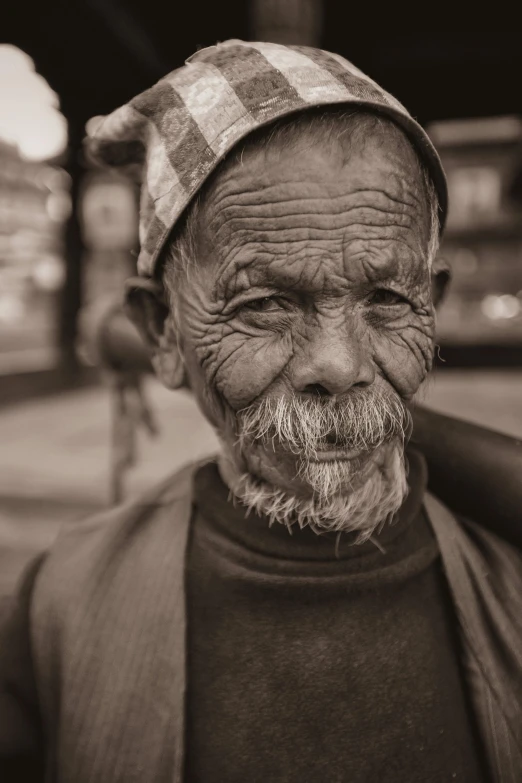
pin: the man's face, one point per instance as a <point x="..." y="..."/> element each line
<point x="311" y="283"/>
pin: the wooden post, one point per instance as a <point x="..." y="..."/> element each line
<point x="287" y="21"/>
<point x="71" y="295"/>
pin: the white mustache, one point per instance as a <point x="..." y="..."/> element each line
<point x="360" y="421"/>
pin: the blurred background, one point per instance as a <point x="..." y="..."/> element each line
<point x="80" y="429"/>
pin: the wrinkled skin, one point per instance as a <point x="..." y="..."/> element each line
<point x="311" y="276"/>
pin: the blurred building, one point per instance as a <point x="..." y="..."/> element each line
<point x="34" y="206"/>
<point x="483" y="241"/>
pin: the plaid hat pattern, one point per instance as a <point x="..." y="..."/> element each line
<point x="175" y="134"/>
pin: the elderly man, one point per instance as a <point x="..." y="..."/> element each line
<point x="298" y="609"/>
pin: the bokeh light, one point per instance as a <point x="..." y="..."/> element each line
<point x="30" y="116"/>
<point x="498" y="307"/>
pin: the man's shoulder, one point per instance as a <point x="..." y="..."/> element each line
<point x="131" y="514"/>
<point x="109" y="592"/>
<point x="126" y="538"/>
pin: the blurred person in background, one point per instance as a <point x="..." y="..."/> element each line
<point x="299" y="608"/>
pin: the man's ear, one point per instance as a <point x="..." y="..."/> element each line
<point x="147" y="307"/>
<point x="440" y="278"/>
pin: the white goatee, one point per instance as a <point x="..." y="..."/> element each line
<point x="345" y="495"/>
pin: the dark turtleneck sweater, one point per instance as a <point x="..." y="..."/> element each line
<point x="312" y="659"/>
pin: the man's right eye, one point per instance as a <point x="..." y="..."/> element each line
<point x="264" y="304"/>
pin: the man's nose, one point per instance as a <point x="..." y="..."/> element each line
<point x="333" y="362"/>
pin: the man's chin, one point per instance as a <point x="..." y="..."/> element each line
<point x="330" y="495"/>
<point x="327" y="472"/>
<point x="337" y="473"/>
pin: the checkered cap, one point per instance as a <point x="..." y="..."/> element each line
<point x="175" y="134"/>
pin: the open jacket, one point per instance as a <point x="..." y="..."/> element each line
<point x="108" y="622"/>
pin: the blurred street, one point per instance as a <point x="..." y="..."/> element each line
<point x="55" y="460"/>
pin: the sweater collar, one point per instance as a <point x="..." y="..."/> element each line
<point x="215" y="501"/>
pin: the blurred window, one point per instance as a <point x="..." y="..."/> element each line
<point x="474" y="193"/>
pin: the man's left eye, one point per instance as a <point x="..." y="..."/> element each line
<point x="264" y="304"/>
<point x="383" y="296"/>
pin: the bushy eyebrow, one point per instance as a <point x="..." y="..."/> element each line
<point x="246" y="272"/>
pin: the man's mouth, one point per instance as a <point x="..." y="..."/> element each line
<point x="336" y="453"/>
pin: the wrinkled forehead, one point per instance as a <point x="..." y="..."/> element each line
<point x="307" y="182"/>
<point x="345" y="136"/>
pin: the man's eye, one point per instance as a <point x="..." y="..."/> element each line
<point x="265" y="304"/>
<point x="383" y="296"/>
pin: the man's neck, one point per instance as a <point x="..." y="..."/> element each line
<point x="215" y="501"/>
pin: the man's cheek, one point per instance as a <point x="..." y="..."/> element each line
<point x="245" y="366"/>
<point x="404" y="359"/>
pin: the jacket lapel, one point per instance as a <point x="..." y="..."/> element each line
<point x="485" y="577"/>
<point x="109" y="631"/>
<point x="158" y="634"/>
